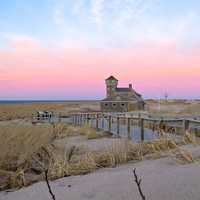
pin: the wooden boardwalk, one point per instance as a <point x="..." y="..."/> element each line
<point x="138" y="127"/>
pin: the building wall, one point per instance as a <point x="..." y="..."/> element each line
<point x="135" y="106"/>
<point x="121" y="106"/>
<point x="114" y="106"/>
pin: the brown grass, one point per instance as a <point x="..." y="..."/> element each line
<point x="91" y="133"/>
<point x="173" y="107"/>
<point x="183" y="156"/>
<point x="27" y="150"/>
<point x="18" y="142"/>
<point x="190" y="138"/>
<point x="21" y="111"/>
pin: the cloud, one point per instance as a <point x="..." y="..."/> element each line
<point x="58" y="16"/>
<point x="21" y="41"/>
<point x="97" y="7"/>
<point x="59" y="8"/>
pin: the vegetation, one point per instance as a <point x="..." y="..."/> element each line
<point x="24" y="111"/>
<point x="27" y="151"/>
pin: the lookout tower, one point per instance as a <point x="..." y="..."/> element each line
<point x="111" y="85"/>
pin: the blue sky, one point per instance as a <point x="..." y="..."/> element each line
<point x="101" y="22"/>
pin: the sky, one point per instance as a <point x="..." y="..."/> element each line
<point x="65" y="49"/>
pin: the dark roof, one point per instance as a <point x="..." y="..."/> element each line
<point x="111" y="78"/>
<point x="124" y="98"/>
<point x="123" y="89"/>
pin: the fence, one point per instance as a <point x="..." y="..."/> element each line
<point x="137" y="127"/>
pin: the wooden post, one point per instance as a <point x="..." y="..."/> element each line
<point x="185" y="125"/>
<point x="78" y="119"/>
<point x="118" y="124"/>
<point x="75" y="119"/>
<point x="59" y="118"/>
<point x="139" y="117"/>
<point x="97" y="121"/>
<point x="142" y="129"/>
<point x="102" y="121"/>
<point x="87" y="119"/>
<point x="109" y="123"/>
<point x="129" y="128"/>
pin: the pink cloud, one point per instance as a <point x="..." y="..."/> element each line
<point x="56" y="72"/>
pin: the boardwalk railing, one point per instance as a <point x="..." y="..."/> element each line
<point x="142" y="127"/>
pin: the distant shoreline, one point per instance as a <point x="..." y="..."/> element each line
<point x="44" y="101"/>
<point x="74" y="101"/>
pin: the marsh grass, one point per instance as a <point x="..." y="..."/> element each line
<point x="29" y="150"/>
<point x="18" y="142"/>
<point x="190" y="138"/>
<point x="22" y="111"/>
<point x="183" y="156"/>
<point x="91" y="133"/>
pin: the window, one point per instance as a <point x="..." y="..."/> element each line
<point x="123" y="104"/>
<point x="106" y="104"/>
<point x="114" y="104"/>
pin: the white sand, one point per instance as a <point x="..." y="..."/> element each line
<point x="162" y="179"/>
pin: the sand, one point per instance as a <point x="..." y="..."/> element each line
<point x="162" y="179"/>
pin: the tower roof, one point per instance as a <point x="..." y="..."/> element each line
<point x="111" y="78"/>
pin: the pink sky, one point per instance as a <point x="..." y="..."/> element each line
<point x="28" y="69"/>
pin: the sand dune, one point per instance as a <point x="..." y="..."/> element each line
<point x="162" y="179"/>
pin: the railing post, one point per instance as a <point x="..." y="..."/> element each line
<point x="109" y="123"/>
<point x="139" y="117"/>
<point x="185" y="125"/>
<point x="75" y="119"/>
<point x="142" y="128"/>
<point x="88" y="119"/>
<point x="102" y="121"/>
<point x="59" y="118"/>
<point x="84" y="119"/>
<point x="97" y="121"/>
<point x="78" y="119"/>
<point x="118" y="124"/>
<point x="129" y="128"/>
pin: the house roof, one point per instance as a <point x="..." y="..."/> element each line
<point x="124" y="98"/>
<point x="123" y="89"/>
<point x="111" y="78"/>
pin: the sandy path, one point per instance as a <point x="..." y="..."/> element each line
<point x="163" y="179"/>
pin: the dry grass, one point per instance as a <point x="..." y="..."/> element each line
<point x="190" y="138"/>
<point x="173" y="107"/>
<point x="83" y="161"/>
<point x="21" y="111"/>
<point x="183" y="156"/>
<point x="62" y="130"/>
<point x="27" y="150"/>
<point x="19" y="142"/>
<point x="91" y="133"/>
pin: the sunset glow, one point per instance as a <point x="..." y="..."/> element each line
<point x="70" y="47"/>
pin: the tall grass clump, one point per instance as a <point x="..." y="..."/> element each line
<point x="21" y="111"/>
<point x="19" y="141"/>
<point x="90" y="133"/>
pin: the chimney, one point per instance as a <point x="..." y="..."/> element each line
<point x="130" y="86"/>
